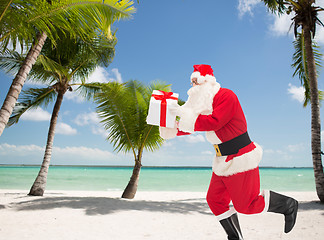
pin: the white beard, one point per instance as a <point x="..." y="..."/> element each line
<point x="201" y="98"/>
<point x="200" y="101"/>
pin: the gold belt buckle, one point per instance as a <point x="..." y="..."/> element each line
<point x="218" y="152"/>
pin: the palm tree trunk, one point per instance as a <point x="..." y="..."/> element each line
<point x="131" y="188"/>
<point x="39" y="185"/>
<point x="19" y="80"/>
<point x="315" y="112"/>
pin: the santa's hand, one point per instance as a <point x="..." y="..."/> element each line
<point x="168" y="133"/>
<point x="174" y="109"/>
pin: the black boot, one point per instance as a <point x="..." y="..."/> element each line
<point x="232" y="227"/>
<point x="286" y="205"/>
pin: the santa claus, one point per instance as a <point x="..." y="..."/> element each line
<point x="217" y="111"/>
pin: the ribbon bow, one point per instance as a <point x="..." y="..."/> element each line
<point x="163" y="98"/>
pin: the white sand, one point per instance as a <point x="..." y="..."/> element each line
<point x="73" y="215"/>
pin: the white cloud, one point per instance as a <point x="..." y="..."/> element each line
<point x="194" y="138"/>
<point x="319" y="37"/>
<point x="36" y="115"/>
<point x="82" y="152"/>
<point x="73" y="96"/>
<point x="98" y="130"/>
<point x="86" y="119"/>
<point x="31" y="154"/>
<point x="101" y="75"/>
<point x="297" y="93"/>
<point x="207" y="153"/>
<point x="117" y="76"/>
<point x="278" y="154"/>
<point x="168" y="143"/>
<point x="22" y="150"/>
<point x="296" y="147"/>
<point x="281" y="24"/>
<point x="65" y="129"/>
<point x="93" y="120"/>
<point x="289" y="155"/>
<point x="246" y="6"/>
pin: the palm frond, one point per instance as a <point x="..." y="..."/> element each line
<point x="157" y="85"/>
<point x="30" y="99"/>
<point x="80" y="18"/>
<point x="276" y="6"/>
<point x="50" y="65"/>
<point x="11" y="61"/>
<point x="123" y="109"/>
<point x="112" y="109"/>
<point x="103" y="48"/>
<point x="321" y="95"/>
<point x="138" y="106"/>
<point x="88" y="90"/>
<point x="300" y="64"/>
<point x="71" y="59"/>
<point x="152" y="139"/>
<point x="4" y="6"/>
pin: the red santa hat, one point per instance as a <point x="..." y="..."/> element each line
<point x="203" y="73"/>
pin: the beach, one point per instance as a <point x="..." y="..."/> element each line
<point x="150" y="215"/>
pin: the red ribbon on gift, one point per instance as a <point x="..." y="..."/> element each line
<point x="163" y="98"/>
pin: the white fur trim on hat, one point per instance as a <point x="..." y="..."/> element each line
<point x="168" y="133"/>
<point x="243" y="163"/>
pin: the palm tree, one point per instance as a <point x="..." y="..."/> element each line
<point x="305" y="16"/>
<point x="60" y="68"/>
<point x="30" y="22"/>
<point x="123" y="110"/>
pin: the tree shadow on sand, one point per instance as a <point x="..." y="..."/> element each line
<point x="106" y="205"/>
<point x="310" y="205"/>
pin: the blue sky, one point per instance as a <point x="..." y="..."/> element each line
<point x="250" y="51"/>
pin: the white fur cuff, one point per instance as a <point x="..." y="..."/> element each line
<point x="187" y="120"/>
<point x="266" y="196"/>
<point x="226" y="214"/>
<point x="168" y="133"/>
<point x="243" y="163"/>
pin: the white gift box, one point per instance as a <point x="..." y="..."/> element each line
<point x="158" y="113"/>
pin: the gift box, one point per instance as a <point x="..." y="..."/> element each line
<point x="159" y="113"/>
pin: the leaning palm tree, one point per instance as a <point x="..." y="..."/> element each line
<point x="30" y="22"/>
<point x="60" y="68"/>
<point x="123" y="110"/>
<point x="305" y="16"/>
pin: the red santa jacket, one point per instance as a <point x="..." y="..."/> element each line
<point x="226" y="122"/>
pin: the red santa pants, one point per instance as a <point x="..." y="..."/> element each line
<point x="243" y="189"/>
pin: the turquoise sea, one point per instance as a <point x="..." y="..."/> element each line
<point x="151" y="178"/>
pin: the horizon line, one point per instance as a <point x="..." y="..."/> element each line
<point x="127" y="166"/>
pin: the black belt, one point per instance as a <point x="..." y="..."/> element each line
<point x="232" y="146"/>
